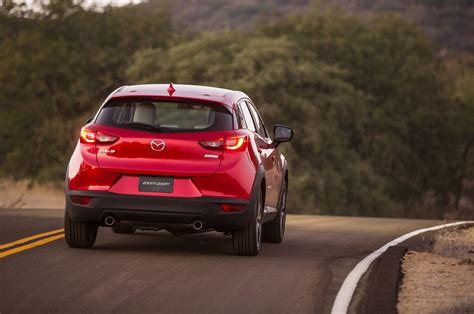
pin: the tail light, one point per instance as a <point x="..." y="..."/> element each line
<point x="234" y="143"/>
<point x="91" y="137"/>
<point x="87" y="136"/>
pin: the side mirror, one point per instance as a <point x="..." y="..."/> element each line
<point x="89" y="120"/>
<point x="282" y="133"/>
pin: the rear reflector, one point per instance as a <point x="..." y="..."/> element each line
<point x="81" y="200"/>
<point x="228" y="208"/>
<point x="91" y="137"/>
<point x="234" y="143"/>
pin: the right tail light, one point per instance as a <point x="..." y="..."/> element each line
<point x="233" y="143"/>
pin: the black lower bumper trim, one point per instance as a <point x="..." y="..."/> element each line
<point x="164" y="210"/>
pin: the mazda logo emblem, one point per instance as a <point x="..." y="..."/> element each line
<point x="158" y="145"/>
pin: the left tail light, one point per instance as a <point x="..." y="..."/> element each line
<point x="92" y="137"/>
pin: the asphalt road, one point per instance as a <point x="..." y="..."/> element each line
<point x="155" y="272"/>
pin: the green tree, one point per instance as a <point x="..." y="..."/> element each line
<point x="55" y="68"/>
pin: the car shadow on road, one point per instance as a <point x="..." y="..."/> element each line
<point x="297" y="245"/>
<point x="206" y="243"/>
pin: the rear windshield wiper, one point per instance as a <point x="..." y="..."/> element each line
<point x="141" y="125"/>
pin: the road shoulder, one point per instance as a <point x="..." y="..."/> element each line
<point x="436" y="275"/>
<point x="440" y="280"/>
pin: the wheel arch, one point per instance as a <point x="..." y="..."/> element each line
<point x="263" y="188"/>
<point x="259" y="183"/>
<point x="285" y="179"/>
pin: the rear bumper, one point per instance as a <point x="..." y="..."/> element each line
<point x="161" y="210"/>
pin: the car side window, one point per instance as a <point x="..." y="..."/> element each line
<point x="258" y="121"/>
<point x="247" y="116"/>
<point x="240" y="118"/>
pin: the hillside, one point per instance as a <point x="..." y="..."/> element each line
<point x="448" y="22"/>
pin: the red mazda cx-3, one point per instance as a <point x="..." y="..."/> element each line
<point x="181" y="158"/>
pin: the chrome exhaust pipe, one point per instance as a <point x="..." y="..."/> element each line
<point x="109" y="221"/>
<point x="198" y="225"/>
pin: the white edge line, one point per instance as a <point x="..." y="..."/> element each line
<point x="344" y="296"/>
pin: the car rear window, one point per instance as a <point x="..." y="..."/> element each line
<point x="165" y="116"/>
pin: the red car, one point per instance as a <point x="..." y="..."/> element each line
<point x="181" y="158"/>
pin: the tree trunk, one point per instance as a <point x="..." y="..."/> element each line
<point x="462" y="173"/>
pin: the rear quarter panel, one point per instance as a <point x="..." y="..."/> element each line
<point x="83" y="172"/>
<point x="236" y="174"/>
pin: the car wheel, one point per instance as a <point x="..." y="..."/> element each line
<point x="274" y="231"/>
<point x="123" y="229"/>
<point x="79" y="234"/>
<point x="247" y="242"/>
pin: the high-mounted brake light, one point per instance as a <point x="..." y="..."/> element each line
<point x="234" y="143"/>
<point x="91" y="137"/>
<point x="171" y="89"/>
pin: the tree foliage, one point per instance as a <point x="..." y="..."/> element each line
<point x="55" y="68"/>
<point x="383" y="124"/>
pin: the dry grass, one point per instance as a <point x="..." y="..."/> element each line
<point x="436" y="284"/>
<point x="441" y="281"/>
<point x="14" y="203"/>
<point x="455" y="243"/>
<point x="14" y="194"/>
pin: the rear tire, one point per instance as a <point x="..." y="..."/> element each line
<point x="123" y="229"/>
<point x="274" y="231"/>
<point x="79" y="234"/>
<point x="247" y="242"/>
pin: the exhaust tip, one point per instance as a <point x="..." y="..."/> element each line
<point x="109" y="221"/>
<point x="198" y="225"/>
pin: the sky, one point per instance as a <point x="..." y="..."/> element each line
<point x="100" y="3"/>
<point x="114" y="2"/>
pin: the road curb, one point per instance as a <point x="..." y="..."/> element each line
<point x="348" y="287"/>
<point x="384" y="281"/>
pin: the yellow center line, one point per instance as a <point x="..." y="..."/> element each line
<point x="20" y="241"/>
<point x="31" y="245"/>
